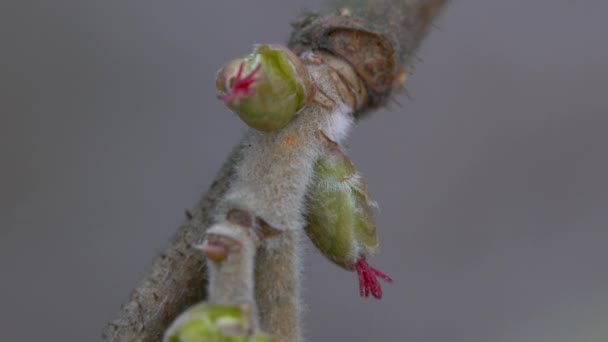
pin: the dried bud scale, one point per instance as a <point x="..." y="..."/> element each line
<point x="378" y="38"/>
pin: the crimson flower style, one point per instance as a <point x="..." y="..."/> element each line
<point x="241" y="87"/>
<point x="368" y="282"/>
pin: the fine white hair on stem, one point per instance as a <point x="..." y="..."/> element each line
<point x="236" y="269"/>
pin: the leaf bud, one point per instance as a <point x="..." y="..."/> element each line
<point x="214" y="323"/>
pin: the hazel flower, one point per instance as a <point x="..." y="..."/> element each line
<point x="266" y="88"/>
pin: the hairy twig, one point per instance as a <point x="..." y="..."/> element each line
<point x="358" y="52"/>
<point x="177" y="278"/>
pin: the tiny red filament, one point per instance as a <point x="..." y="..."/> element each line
<point x="241" y="87"/>
<point x="368" y="282"/>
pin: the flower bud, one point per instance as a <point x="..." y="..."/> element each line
<point x="340" y="218"/>
<point x="213" y="323"/>
<point x="266" y="88"/>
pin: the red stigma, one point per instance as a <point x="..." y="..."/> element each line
<point x="368" y="282"/>
<point x="241" y="87"/>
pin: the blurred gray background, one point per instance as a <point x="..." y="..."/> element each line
<point x="492" y="178"/>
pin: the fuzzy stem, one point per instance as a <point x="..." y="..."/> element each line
<point x="271" y="181"/>
<point x="177" y="278"/>
<point x="278" y="289"/>
<point x="231" y="276"/>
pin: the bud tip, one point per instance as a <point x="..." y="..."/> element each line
<point x="215" y="252"/>
<point x="241" y="87"/>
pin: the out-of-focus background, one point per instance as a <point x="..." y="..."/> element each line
<point x="492" y="177"/>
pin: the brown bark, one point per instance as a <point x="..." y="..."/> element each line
<point x="177" y="279"/>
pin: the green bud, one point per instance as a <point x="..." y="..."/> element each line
<point x="261" y="337"/>
<point x="340" y="220"/>
<point x="213" y="323"/>
<point x="266" y="88"/>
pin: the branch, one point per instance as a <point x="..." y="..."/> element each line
<point x="177" y="278"/>
<point x="378" y="39"/>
